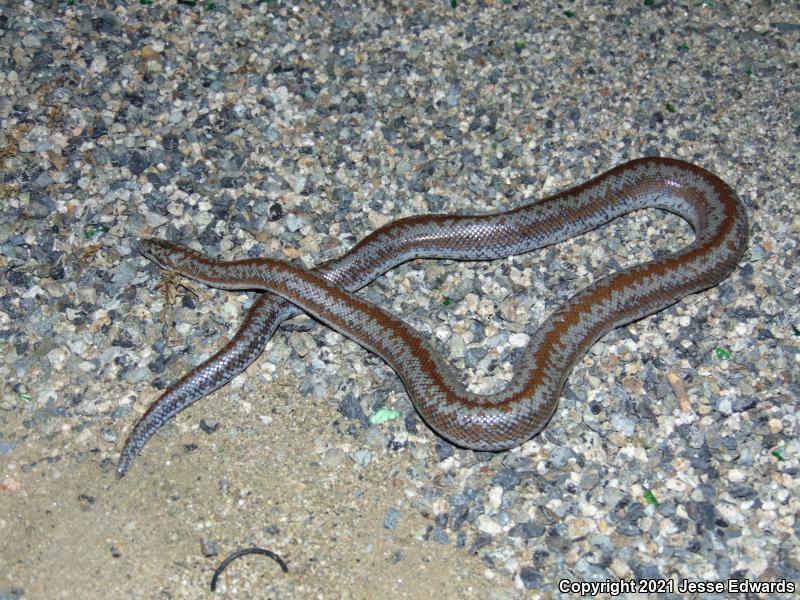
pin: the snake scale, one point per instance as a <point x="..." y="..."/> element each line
<point x="513" y="415"/>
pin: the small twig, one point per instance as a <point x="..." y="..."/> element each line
<point x="172" y="281"/>
<point x="90" y="252"/>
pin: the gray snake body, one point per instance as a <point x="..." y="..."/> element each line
<point x="483" y="422"/>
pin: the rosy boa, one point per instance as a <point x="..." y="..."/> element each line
<point x="482" y="422"/>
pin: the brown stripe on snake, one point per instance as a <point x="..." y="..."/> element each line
<point x="510" y="417"/>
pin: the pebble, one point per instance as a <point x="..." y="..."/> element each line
<point x="528" y="529"/>
<point x="362" y="457"/>
<point x="391" y="519"/>
<point x="209" y="547"/>
<point x="488" y="525"/>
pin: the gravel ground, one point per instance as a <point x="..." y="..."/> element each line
<point x="292" y="131"/>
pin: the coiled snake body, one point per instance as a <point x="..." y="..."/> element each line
<point x="482" y="422"/>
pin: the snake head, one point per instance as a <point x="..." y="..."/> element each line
<point x="165" y="254"/>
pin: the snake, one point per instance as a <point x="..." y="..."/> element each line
<point x="490" y="422"/>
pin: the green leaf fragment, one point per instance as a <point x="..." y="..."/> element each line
<point x="446" y="300"/>
<point x="569" y="13"/>
<point x="25" y="397"/>
<point x="670" y="107"/>
<point x="778" y="453"/>
<point x="650" y="498"/>
<point x="92" y="231"/>
<point x="383" y="415"/>
<point x="453" y="4"/>
<point x="722" y="353"/>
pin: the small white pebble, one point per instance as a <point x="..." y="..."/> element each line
<point x="518" y="340"/>
<point x="495" y="497"/>
<point x="488" y="525"/>
<point x="57" y="357"/>
<point x="736" y="475"/>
